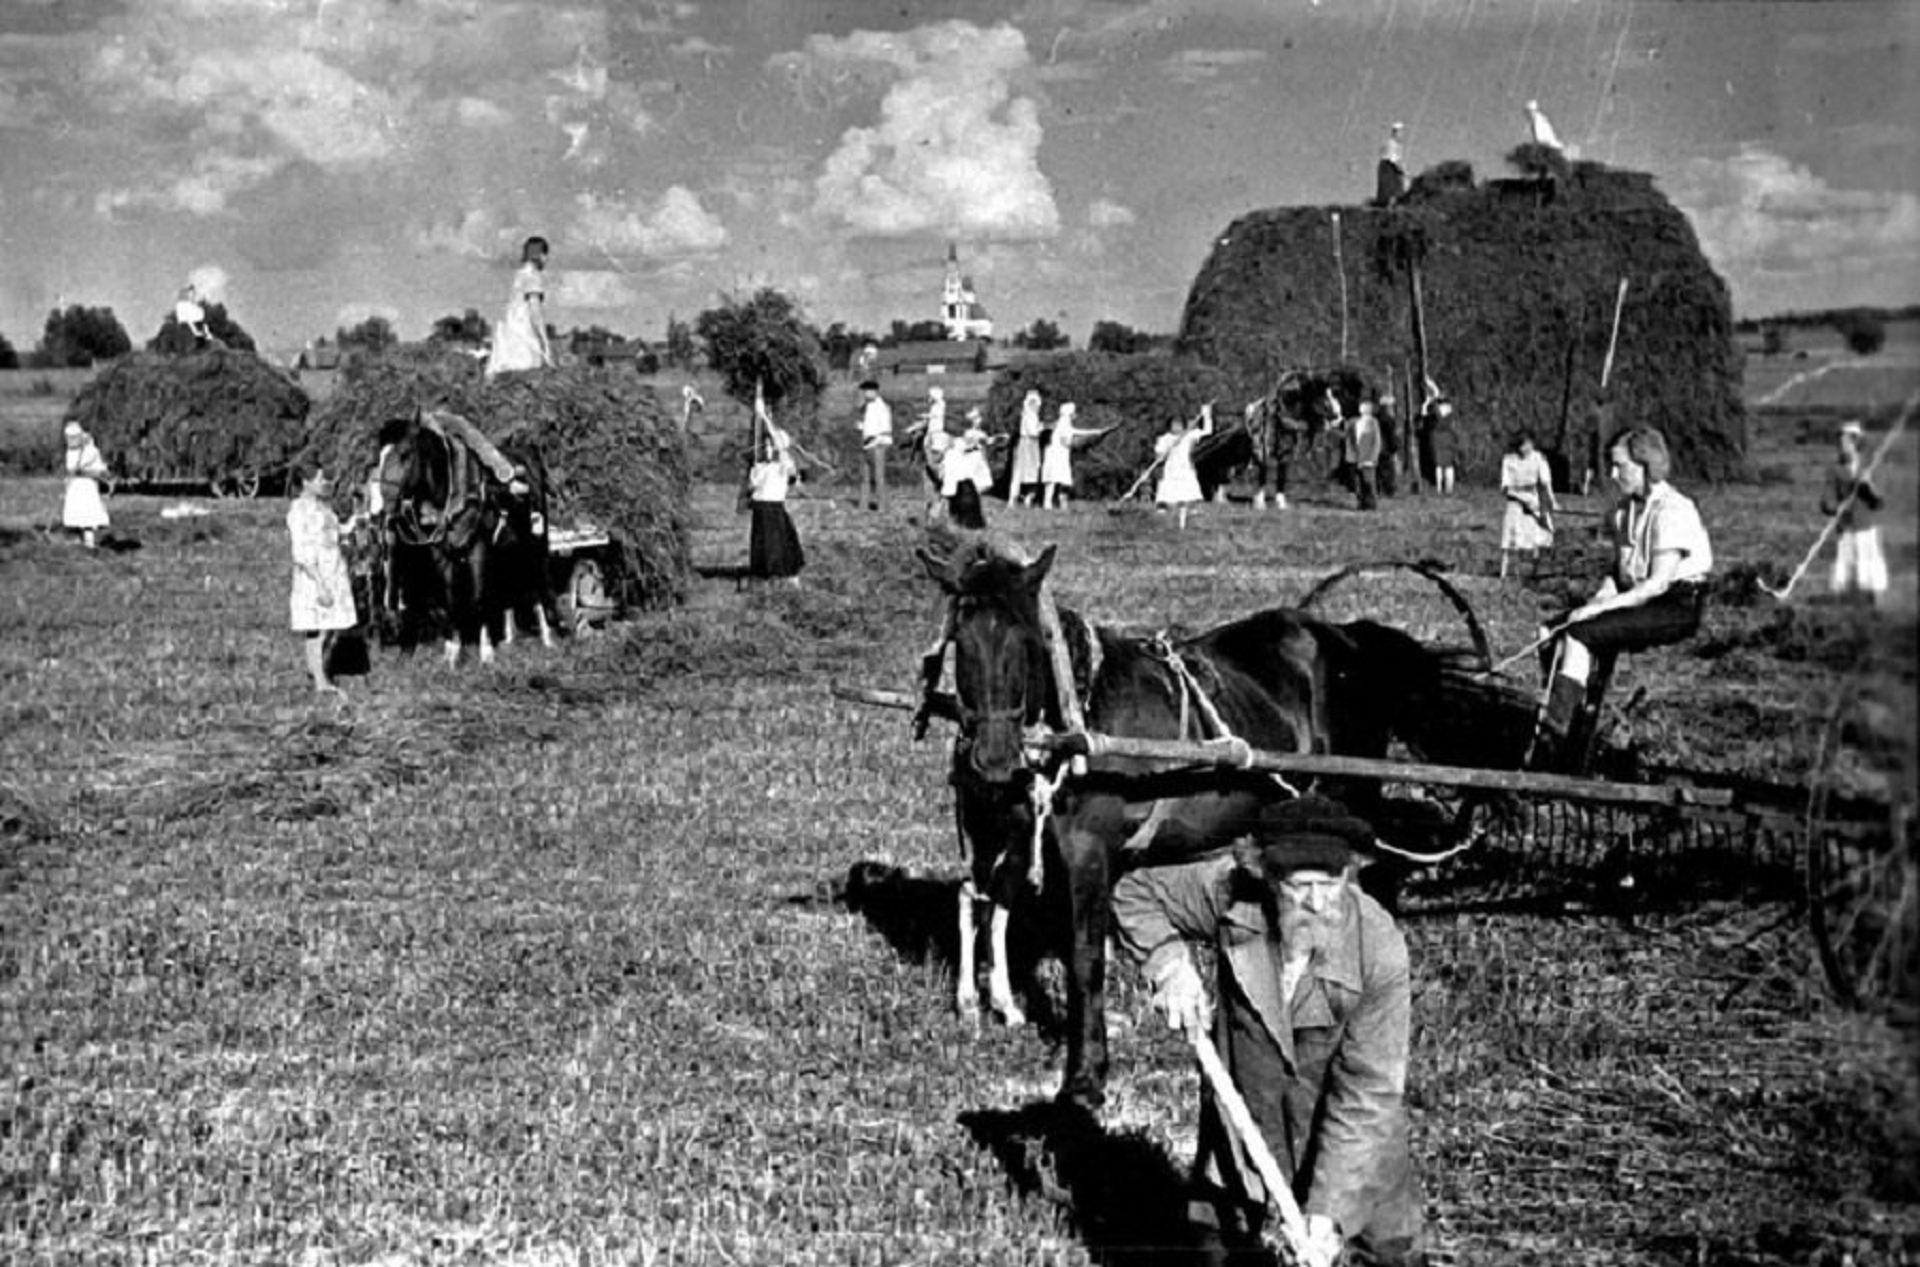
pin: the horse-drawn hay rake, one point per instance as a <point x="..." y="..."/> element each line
<point x="1838" y="849"/>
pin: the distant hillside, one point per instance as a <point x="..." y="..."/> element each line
<point x="1518" y="280"/>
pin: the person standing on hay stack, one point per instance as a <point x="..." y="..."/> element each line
<point x="521" y="341"/>
<point x="1859" y="566"/>
<point x="191" y="317"/>
<point x="84" y="511"/>
<point x="1655" y="598"/>
<point x="876" y="437"/>
<point x="321" y="600"/>
<point x="1313" y="1025"/>
<point x="773" y="547"/>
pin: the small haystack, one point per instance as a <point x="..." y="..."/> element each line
<point x="1517" y="284"/>
<point x="221" y="416"/>
<point x="614" y="454"/>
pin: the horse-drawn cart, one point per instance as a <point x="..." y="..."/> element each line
<point x="1840" y="848"/>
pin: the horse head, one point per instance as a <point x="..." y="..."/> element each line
<point x="1002" y="675"/>
<point x="414" y="472"/>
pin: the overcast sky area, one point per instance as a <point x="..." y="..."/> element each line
<point x="314" y="162"/>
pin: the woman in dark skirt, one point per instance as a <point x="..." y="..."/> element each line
<point x="773" y="547"/>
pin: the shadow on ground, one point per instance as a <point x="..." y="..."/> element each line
<point x="1119" y="1193"/>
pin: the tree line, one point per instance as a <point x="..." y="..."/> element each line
<point x="80" y="335"/>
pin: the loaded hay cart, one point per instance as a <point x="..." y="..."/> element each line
<point x="1840" y="848"/>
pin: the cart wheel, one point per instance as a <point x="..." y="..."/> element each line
<point x="1863" y="885"/>
<point x="586" y="599"/>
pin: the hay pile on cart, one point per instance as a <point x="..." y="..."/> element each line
<point x="614" y="456"/>
<point x="221" y="418"/>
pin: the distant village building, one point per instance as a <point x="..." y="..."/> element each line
<point x="962" y="312"/>
<point x="945" y="356"/>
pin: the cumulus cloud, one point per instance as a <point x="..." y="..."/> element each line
<point x="954" y="149"/>
<point x="676" y="225"/>
<point x="1777" y="230"/>
<point x="203" y="190"/>
<point x="210" y="280"/>
<point x="1104" y="214"/>
<point x="476" y="234"/>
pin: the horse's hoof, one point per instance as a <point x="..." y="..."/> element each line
<point x="1010" y="1015"/>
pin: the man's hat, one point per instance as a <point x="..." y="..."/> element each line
<point x="870" y="386"/>
<point x="1309" y="833"/>
<point x="1852" y="427"/>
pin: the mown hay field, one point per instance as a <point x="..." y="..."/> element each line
<point x="556" y="963"/>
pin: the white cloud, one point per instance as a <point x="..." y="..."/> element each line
<point x="1104" y="214"/>
<point x="202" y="191"/>
<point x="1783" y="236"/>
<point x="477" y="234"/>
<point x="211" y="281"/>
<point x="478" y="112"/>
<point x="954" y="150"/>
<point x="677" y="225"/>
<point x="592" y="288"/>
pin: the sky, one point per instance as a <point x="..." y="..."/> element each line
<point x="310" y="163"/>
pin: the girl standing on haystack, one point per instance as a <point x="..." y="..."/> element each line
<point x="1028" y="468"/>
<point x="84" y="511"/>
<point x="322" y="596"/>
<point x="1179" y="482"/>
<point x="773" y="547"/>
<point x="521" y="341"/>
<point x="1527" y="484"/>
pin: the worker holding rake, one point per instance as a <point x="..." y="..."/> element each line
<point x="1307" y="1058"/>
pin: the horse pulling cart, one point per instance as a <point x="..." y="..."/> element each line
<point x="1839" y="849"/>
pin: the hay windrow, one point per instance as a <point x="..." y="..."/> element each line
<point x="222" y="416"/>
<point x="1518" y="285"/>
<point x="614" y="456"/>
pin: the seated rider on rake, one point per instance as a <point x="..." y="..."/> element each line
<point x="1654" y="598"/>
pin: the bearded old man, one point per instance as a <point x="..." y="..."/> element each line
<point x="1313" y="1024"/>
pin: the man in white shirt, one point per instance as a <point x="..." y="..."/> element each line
<point x="876" y="437"/>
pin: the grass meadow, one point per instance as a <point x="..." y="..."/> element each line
<point x="557" y="963"/>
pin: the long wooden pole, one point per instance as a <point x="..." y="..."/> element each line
<point x="1613" y="339"/>
<point x="1233" y="1107"/>
<point x="1840" y="511"/>
<point x="1340" y="267"/>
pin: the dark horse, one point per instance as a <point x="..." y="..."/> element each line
<point x="1280" y="679"/>
<point x="1278" y="429"/>
<point x="466" y="548"/>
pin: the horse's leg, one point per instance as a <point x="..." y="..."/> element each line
<point x="966" y="995"/>
<point x="999" y="980"/>
<point x="452" y="649"/>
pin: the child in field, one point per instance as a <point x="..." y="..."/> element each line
<point x="322" y="596"/>
<point x="84" y="512"/>
<point x="1859" y="566"/>
<point x="1527" y="485"/>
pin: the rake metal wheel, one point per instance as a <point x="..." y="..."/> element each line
<point x="1863" y="878"/>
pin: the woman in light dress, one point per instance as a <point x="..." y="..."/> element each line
<point x="521" y="341"/>
<point x="84" y="512"/>
<point x="1056" y="471"/>
<point x="1179" y="485"/>
<point x="965" y="461"/>
<point x="1527" y="485"/>
<point x="1028" y="468"/>
<point x="322" y="595"/>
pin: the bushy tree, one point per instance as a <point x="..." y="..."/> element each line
<point x="375" y="334"/>
<point x="1863" y="329"/>
<point x="9" y="359"/>
<point x="681" y="352"/>
<point x="470" y="328"/>
<point x="1041" y="336"/>
<point x="1117" y="339"/>
<point x="763" y="340"/>
<point x="80" y="336"/>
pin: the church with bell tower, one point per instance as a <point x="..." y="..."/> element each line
<point x="963" y="314"/>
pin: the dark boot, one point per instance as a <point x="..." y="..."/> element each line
<point x="1552" y="736"/>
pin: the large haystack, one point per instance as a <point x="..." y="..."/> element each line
<point x="614" y="455"/>
<point x="1518" y="281"/>
<point x="220" y="416"/>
